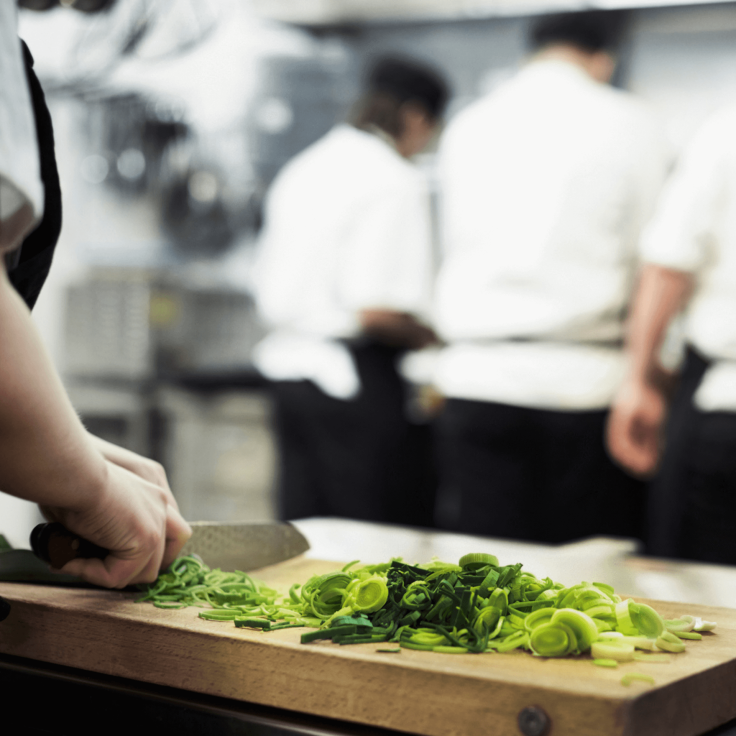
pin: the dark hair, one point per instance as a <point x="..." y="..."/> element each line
<point x="592" y="31"/>
<point x="391" y="83"/>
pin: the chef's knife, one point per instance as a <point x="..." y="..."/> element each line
<point x="229" y="546"/>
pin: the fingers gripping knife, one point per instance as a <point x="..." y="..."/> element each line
<point x="236" y="546"/>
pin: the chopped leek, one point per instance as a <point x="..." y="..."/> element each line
<point x="630" y="677"/>
<point x="476" y="606"/>
<point x="688" y="635"/>
<point x="653" y="658"/>
<point x="612" y="649"/>
<point x="701" y="625"/>
<point x="670" y="643"/>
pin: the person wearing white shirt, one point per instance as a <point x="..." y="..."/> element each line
<point x="102" y="492"/>
<point x="343" y="282"/>
<point x="689" y="254"/>
<point x="545" y="186"/>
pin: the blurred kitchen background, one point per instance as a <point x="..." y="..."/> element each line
<point x="173" y="116"/>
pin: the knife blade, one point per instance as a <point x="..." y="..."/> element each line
<point x="229" y="546"/>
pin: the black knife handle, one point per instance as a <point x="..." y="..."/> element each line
<point x="56" y="545"/>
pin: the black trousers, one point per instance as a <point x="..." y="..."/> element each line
<point x="693" y="499"/>
<point x="360" y="459"/>
<point x="530" y="474"/>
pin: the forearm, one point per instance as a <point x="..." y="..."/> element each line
<point x="45" y="453"/>
<point x="660" y="295"/>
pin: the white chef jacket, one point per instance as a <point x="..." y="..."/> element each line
<point x="545" y="185"/>
<point x="20" y="177"/>
<point x="347" y="227"/>
<point x="694" y="230"/>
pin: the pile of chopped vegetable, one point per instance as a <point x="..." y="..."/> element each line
<point x="475" y="606"/>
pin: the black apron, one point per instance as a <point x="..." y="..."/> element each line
<point x="29" y="264"/>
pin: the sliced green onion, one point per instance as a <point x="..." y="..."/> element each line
<point x="606" y="662"/>
<point x="630" y="677"/>
<point x="639" y="642"/>
<point x="552" y="640"/>
<point x="684" y="623"/>
<point x="623" y="618"/>
<point x="701" y="625"/>
<point x="476" y="560"/>
<point x="612" y="649"/>
<point x="450" y="650"/>
<point x="646" y="619"/>
<point x="515" y="641"/>
<point x="538" y="617"/>
<point x="257" y="623"/>
<point x="688" y="635"/>
<point x="473" y="607"/>
<point x="670" y="643"/>
<point x="654" y="658"/>
<point x="582" y="625"/>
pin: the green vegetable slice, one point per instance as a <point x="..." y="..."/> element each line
<point x="606" y="662"/>
<point x="646" y="619"/>
<point x="623" y="618"/>
<point x="612" y="649"/>
<point x="476" y="560"/>
<point x="630" y="677"/>
<point x="684" y="623"/>
<point x="474" y="607"/>
<point x="581" y="624"/>
<point x="552" y="640"/>
<point x="654" y="658"/>
<point x="701" y="625"/>
<point x="538" y="617"/>
<point x="670" y="643"/>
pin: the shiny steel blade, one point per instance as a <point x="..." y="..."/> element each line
<point x="243" y="546"/>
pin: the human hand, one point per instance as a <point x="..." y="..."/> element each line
<point x="397" y="329"/>
<point x="633" y="433"/>
<point x="143" y="467"/>
<point x="134" y="519"/>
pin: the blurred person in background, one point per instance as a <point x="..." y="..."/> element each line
<point x="343" y="281"/>
<point x="546" y="184"/>
<point x="104" y="493"/>
<point x="689" y="254"/>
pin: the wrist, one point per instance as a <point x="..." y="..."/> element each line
<point x="85" y="482"/>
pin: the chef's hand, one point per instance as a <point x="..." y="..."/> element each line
<point x="133" y="518"/>
<point x="396" y="329"/>
<point x="634" y="431"/>
<point x="143" y="467"/>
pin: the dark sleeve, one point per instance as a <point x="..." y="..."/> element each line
<point x="37" y="250"/>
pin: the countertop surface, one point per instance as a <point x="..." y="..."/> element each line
<point x="416" y="692"/>
<point x="106" y="632"/>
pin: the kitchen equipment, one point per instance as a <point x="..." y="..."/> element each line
<point x="22" y="566"/>
<point x="413" y="691"/>
<point x="234" y="546"/>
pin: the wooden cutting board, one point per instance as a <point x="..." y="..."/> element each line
<point x="413" y="691"/>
